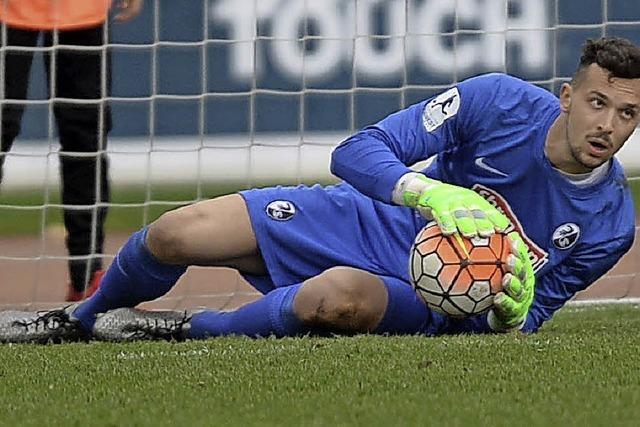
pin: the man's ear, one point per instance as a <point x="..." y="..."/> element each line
<point x="566" y="91"/>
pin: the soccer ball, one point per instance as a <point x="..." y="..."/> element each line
<point x="455" y="280"/>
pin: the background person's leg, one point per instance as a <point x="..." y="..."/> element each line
<point x="83" y="132"/>
<point x="16" y="68"/>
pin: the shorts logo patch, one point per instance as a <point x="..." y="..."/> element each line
<point x="440" y="109"/>
<point x="281" y="210"/>
<point x="566" y="235"/>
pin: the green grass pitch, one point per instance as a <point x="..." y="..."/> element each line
<point x="580" y="369"/>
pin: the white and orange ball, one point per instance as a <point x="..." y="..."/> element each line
<point x="455" y="275"/>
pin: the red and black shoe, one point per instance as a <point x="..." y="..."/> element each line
<point x="74" y="295"/>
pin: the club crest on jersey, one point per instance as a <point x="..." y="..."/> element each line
<point x="538" y="256"/>
<point x="440" y="109"/>
<point x="566" y="235"/>
<point x="281" y="210"/>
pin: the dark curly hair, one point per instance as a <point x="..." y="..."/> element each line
<point x="617" y="55"/>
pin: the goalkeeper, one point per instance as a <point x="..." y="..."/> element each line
<point x="511" y="157"/>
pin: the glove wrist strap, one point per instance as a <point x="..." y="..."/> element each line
<point x="409" y="187"/>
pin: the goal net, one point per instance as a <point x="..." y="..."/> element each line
<point x="212" y="96"/>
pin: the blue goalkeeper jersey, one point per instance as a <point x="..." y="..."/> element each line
<point x="488" y="133"/>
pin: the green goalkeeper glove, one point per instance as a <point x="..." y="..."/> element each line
<point x="510" y="307"/>
<point x="453" y="208"/>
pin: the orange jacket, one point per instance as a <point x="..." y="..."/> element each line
<point x="51" y="14"/>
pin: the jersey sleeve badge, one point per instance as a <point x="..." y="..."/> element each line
<point x="441" y="108"/>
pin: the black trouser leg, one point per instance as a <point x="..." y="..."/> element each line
<point x="83" y="139"/>
<point x="16" y="82"/>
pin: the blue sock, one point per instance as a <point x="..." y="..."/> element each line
<point x="270" y="315"/>
<point x="405" y="312"/>
<point x="133" y="277"/>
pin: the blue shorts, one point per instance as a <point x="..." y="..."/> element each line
<point x="303" y="231"/>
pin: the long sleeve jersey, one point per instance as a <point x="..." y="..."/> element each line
<point x="488" y="134"/>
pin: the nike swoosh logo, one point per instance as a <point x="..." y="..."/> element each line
<point x="482" y="165"/>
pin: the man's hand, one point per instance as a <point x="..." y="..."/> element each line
<point x="511" y="306"/>
<point x="129" y="9"/>
<point x="453" y="208"/>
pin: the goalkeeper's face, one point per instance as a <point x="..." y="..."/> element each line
<point x="602" y="112"/>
